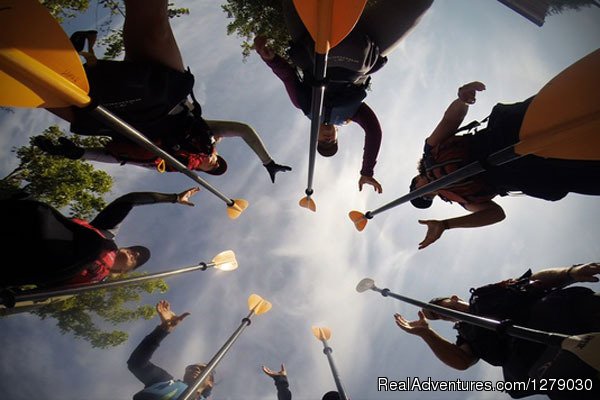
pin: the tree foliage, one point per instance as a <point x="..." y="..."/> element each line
<point x="61" y="183"/>
<point x="559" y="6"/>
<point x="58" y="181"/>
<point x="113" y="39"/>
<point x="264" y="18"/>
<point x="258" y="17"/>
<point x="110" y="37"/>
<point x="80" y="315"/>
<point x="65" y="9"/>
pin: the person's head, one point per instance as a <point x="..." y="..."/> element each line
<point x="192" y="372"/>
<point x="129" y="258"/>
<point x="332" y="395"/>
<point x="201" y="148"/>
<point x="212" y="164"/>
<point x="424" y="201"/>
<point x="453" y="302"/>
<point x="327" y="144"/>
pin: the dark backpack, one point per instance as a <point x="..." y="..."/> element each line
<point x="139" y="92"/>
<point x="142" y="94"/>
<point x="504" y="301"/>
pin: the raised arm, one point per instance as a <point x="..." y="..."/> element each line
<point x="455" y="114"/>
<point x="563" y="276"/>
<point x="113" y="214"/>
<point x="458" y="357"/>
<point x="367" y="119"/>
<point x="298" y="92"/>
<point x="221" y="129"/>
<point x="483" y="214"/>
<point x="281" y="382"/>
<point x="139" y="362"/>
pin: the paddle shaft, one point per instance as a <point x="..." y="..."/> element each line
<point x="542" y="139"/>
<point x="533" y="335"/>
<point x="191" y="390"/>
<point x="336" y="376"/>
<point x="131" y="133"/>
<point x="38" y="295"/>
<point x="318" y="91"/>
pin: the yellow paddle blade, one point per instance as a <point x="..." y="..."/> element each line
<point x="321" y="333"/>
<point x="329" y="21"/>
<point x="563" y="120"/>
<point x="238" y="206"/>
<point x="37" y="60"/>
<point x="258" y="304"/>
<point x="586" y="347"/>
<point x="225" y="261"/>
<point x="359" y="219"/>
<point x="309" y="203"/>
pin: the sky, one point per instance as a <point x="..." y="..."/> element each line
<point x="308" y="264"/>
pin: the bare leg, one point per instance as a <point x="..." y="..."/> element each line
<point x="148" y="36"/>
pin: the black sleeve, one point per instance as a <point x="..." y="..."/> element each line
<point x="139" y="362"/>
<point x="282" y="385"/>
<point x="113" y="214"/>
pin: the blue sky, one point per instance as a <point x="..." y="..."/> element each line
<point x="308" y="264"/>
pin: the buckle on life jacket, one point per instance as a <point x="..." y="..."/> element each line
<point x="161" y="165"/>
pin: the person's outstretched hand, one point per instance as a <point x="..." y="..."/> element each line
<point x="467" y="92"/>
<point x="184" y="197"/>
<point x="585" y="272"/>
<point x="168" y="319"/>
<point x="419" y="327"/>
<point x="434" y="231"/>
<point x="274" y="374"/>
<point x="369" y="180"/>
<point x="274" y="168"/>
<point x="260" y="45"/>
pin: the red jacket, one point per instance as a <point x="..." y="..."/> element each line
<point x="98" y="269"/>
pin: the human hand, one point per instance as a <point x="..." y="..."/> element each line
<point x="466" y="93"/>
<point x="168" y="319"/>
<point x="419" y="327"/>
<point x="434" y="231"/>
<point x="274" y="374"/>
<point x="184" y="197"/>
<point x="369" y="180"/>
<point x="585" y="272"/>
<point x="260" y="45"/>
<point x="273" y="168"/>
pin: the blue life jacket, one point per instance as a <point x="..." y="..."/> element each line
<point x="170" y="390"/>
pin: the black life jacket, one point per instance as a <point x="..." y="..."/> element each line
<point x="144" y="95"/>
<point x="100" y="268"/>
<point x="341" y="101"/>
